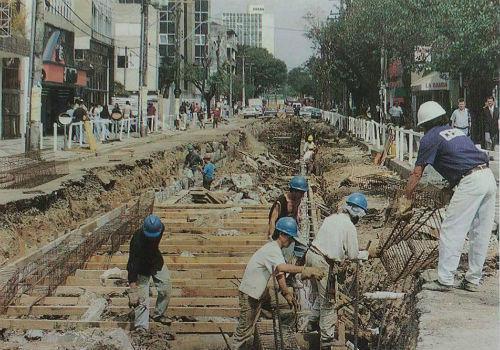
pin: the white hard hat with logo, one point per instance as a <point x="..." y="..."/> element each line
<point x="428" y="111"/>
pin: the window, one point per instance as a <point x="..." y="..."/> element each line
<point x="121" y="62"/>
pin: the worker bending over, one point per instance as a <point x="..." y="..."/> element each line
<point x="287" y="204"/>
<point x="145" y="262"/>
<point x="472" y="207"/>
<point x="266" y="261"/>
<point x="208" y="172"/>
<point x="192" y="163"/>
<point x="336" y="238"/>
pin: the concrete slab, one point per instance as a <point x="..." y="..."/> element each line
<point x="460" y="319"/>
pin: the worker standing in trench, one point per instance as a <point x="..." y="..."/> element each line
<point x="472" y="207"/>
<point x="309" y="153"/>
<point x="265" y="262"/>
<point x="287" y="204"/>
<point x="192" y="164"/>
<point x="145" y="262"/>
<point x="336" y="239"/>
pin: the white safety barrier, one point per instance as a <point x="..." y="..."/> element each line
<point x="375" y="134"/>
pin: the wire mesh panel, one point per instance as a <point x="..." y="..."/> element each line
<point x="5" y="18"/>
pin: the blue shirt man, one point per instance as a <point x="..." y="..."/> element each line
<point x="209" y="171"/>
<point x="450" y="152"/>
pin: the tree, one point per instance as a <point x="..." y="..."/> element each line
<point x="300" y="80"/>
<point x="208" y="84"/>
<point x="262" y="70"/>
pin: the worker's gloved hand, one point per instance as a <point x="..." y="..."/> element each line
<point x="363" y="255"/>
<point x="312" y="272"/>
<point x="290" y="299"/>
<point x="133" y="297"/>
<point x="403" y="207"/>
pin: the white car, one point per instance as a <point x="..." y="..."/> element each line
<point x="250" y="112"/>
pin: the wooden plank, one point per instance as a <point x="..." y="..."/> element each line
<point x="210" y="206"/>
<point x="78" y="310"/>
<point x="123" y="301"/>
<point x="193" y="274"/>
<point x="197" y="248"/>
<point x="176" y="292"/>
<point x="210" y="230"/>
<point x="173" y="266"/>
<point x="177" y="327"/>
<point x="189" y="216"/>
<point x="177" y="283"/>
<point x="175" y="259"/>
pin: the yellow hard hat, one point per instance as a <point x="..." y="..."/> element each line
<point x="310" y="138"/>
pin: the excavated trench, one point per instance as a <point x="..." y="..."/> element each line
<point x="341" y="168"/>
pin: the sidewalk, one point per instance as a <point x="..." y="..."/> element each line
<point x="126" y="151"/>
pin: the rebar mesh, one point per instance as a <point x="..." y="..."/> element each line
<point x="264" y="337"/>
<point x="42" y="276"/>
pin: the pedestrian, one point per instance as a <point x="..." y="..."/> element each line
<point x="127" y="115"/>
<point x="309" y="153"/>
<point x="336" y="239"/>
<point x="208" y="172"/>
<point x="105" y="118"/>
<point x="216" y="117"/>
<point x="287" y="204"/>
<point x="396" y="114"/>
<point x="79" y="115"/>
<point x="266" y="262"/>
<point x="472" y="207"/>
<point x="145" y="262"/>
<point x="460" y="118"/>
<point x="192" y="164"/>
<point x="183" y="115"/>
<point x="151" y="115"/>
<point x="490" y="122"/>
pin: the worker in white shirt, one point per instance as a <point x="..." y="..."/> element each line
<point x="336" y="239"/>
<point x="266" y="262"/>
<point x="460" y="118"/>
<point x="309" y="152"/>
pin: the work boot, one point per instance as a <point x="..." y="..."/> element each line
<point x="139" y="331"/>
<point x="437" y="286"/>
<point x="167" y="321"/>
<point x="468" y="286"/>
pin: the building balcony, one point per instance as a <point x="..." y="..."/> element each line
<point x="13" y="42"/>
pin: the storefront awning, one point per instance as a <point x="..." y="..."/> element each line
<point x="431" y="82"/>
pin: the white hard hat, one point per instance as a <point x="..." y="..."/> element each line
<point x="428" y="111"/>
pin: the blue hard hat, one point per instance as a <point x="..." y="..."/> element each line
<point x="152" y="226"/>
<point x="299" y="250"/>
<point x="299" y="183"/>
<point x="358" y="199"/>
<point x="288" y="226"/>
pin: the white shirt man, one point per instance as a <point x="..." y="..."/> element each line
<point x="460" y="118"/>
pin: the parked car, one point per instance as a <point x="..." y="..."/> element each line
<point x="250" y="112"/>
<point x="270" y="112"/>
<point x="316" y="113"/>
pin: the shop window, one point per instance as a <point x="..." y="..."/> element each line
<point x="122" y="62"/>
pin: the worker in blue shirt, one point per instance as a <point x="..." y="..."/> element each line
<point x="208" y="172"/>
<point x="471" y="209"/>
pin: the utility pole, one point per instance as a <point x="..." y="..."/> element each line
<point x="143" y="68"/>
<point x="33" y="120"/>
<point x="243" y="98"/>
<point x="177" y="90"/>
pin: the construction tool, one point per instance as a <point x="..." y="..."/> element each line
<point x="277" y="327"/>
<point x="228" y="347"/>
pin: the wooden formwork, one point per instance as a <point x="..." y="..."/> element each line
<point x="205" y="270"/>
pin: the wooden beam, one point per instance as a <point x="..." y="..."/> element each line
<point x="123" y="301"/>
<point x="176" y="292"/>
<point x="193" y="274"/>
<point x="175" y="259"/>
<point x="173" y="266"/>
<point x="177" y="327"/>
<point x="197" y="248"/>
<point x="78" y="310"/>
<point x="177" y="283"/>
<point x="211" y="206"/>
<point x="210" y="230"/>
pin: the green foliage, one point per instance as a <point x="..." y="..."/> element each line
<point x="301" y="82"/>
<point x="462" y="34"/>
<point x="263" y="71"/>
<point x="119" y="89"/>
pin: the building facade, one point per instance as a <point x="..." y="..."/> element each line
<point x="254" y="28"/>
<point x="14" y="63"/>
<point x="184" y="27"/>
<point x="126" y="30"/>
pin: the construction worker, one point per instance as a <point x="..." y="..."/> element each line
<point x="472" y="207"/>
<point x="287" y="204"/>
<point x="192" y="163"/>
<point x="264" y="263"/>
<point x="145" y="262"/>
<point x="208" y="172"/>
<point x="336" y="239"/>
<point x="309" y="153"/>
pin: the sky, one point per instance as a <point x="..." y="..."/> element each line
<point x="291" y="45"/>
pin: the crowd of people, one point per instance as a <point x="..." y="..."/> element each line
<point x="105" y="118"/>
